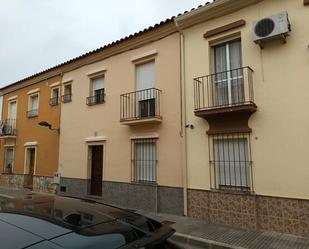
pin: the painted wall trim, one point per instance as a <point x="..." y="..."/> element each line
<point x="67" y="80"/>
<point x="225" y="28"/>
<point x="96" y="72"/>
<point x="144" y="55"/>
<point x="95" y="139"/>
<point x="153" y="135"/>
<point x="13" y="97"/>
<point x="34" y="143"/>
<point x="54" y="84"/>
<point x="34" y="91"/>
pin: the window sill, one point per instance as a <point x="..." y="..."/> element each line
<point x="33" y="116"/>
<point x="144" y="183"/>
<point x="230" y="191"/>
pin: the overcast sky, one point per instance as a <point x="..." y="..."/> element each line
<point x="37" y="34"/>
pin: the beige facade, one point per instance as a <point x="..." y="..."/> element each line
<point x="278" y="140"/>
<point x="83" y="126"/>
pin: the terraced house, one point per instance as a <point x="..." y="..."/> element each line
<point x="28" y="151"/>
<point x="245" y="76"/>
<point x="121" y="122"/>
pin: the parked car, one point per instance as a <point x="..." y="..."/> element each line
<point x="52" y="222"/>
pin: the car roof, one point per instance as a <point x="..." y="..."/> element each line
<point x="65" y="222"/>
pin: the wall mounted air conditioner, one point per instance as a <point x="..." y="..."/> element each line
<point x="272" y="27"/>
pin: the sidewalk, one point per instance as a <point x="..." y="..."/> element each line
<point x="198" y="234"/>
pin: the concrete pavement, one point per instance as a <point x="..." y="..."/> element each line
<point x="196" y="234"/>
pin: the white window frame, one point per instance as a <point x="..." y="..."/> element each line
<point x="26" y="168"/>
<point x="30" y="96"/>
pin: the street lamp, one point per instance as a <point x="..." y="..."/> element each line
<point x="46" y="124"/>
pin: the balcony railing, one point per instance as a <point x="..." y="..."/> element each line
<point x="32" y="113"/>
<point x="54" y="101"/>
<point x="224" y="89"/>
<point x="98" y="98"/>
<point x="66" y="98"/>
<point x="138" y="105"/>
<point x="8" y="127"/>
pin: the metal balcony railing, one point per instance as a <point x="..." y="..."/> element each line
<point x="54" y="101"/>
<point x="224" y="89"/>
<point x="140" y="104"/>
<point x="8" y="127"/>
<point x="32" y="113"/>
<point x="98" y="98"/>
<point x="66" y="98"/>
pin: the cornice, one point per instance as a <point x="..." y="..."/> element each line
<point x="211" y="11"/>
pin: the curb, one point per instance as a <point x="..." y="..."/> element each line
<point x="190" y="240"/>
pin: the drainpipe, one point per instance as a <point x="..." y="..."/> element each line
<point x="183" y="122"/>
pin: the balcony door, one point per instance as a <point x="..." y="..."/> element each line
<point x="228" y="77"/>
<point x="10" y="125"/>
<point x="145" y="81"/>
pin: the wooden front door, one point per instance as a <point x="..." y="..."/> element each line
<point x="96" y="169"/>
<point x="30" y="167"/>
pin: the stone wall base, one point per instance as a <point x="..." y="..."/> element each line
<point x="135" y="196"/>
<point x="40" y="183"/>
<point x="278" y="214"/>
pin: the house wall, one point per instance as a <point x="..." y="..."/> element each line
<point x="28" y="130"/>
<point x="79" y="121"/>
<point x="280" y="136"/>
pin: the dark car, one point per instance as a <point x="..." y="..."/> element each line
<point x="46" y="221"/>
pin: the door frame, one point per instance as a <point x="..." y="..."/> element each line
<point x="26" y="158"/>
<point x="89" y="161"/>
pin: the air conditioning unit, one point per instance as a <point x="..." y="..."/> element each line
<point x="272" y="27"/>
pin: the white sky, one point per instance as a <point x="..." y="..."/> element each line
<point x="38" y="34"/>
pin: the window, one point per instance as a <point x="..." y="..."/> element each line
<point x="67" y="96"/>
<point x="33" y="105"/>
<point x="9" y="159"/>
<point x="145" y="82"/>
<point x="231" y="162"/>
<point x="228" y="77"/>
<point x="54" y="100"/>
<point x="97" y="91"/>
<point x="144" y="160"/>
<point x="12" y="109"/>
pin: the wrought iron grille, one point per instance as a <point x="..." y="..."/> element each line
<point x="97" y="98"/>
<point x="144" y="162"/>
<point x="230" y="162"/>
<point x="66" y="98"/>
<point x="8" y="127"/>
<point x="32" y="113"/>
<point x="54" y="101"/>
<point x="140" y="104"/>
<point x="223" y="89"/>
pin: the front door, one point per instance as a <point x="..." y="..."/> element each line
<point x="30" y="168"/>
<point x="96" y="169"/>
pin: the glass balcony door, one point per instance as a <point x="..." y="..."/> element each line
<point x="228" y="78"/>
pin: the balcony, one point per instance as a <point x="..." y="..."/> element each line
<point x="225" y="97"/>
<point x="32" y="113"/>
<point x="54" y="101"/>
<point x="66" y="98"/>
<point x="8" y="128"/>
<point x="140" y="107"/>
<point x="98" y="98"/>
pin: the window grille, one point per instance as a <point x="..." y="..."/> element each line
<point x="144" y="160"/>
<point x="230" y="162"/>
